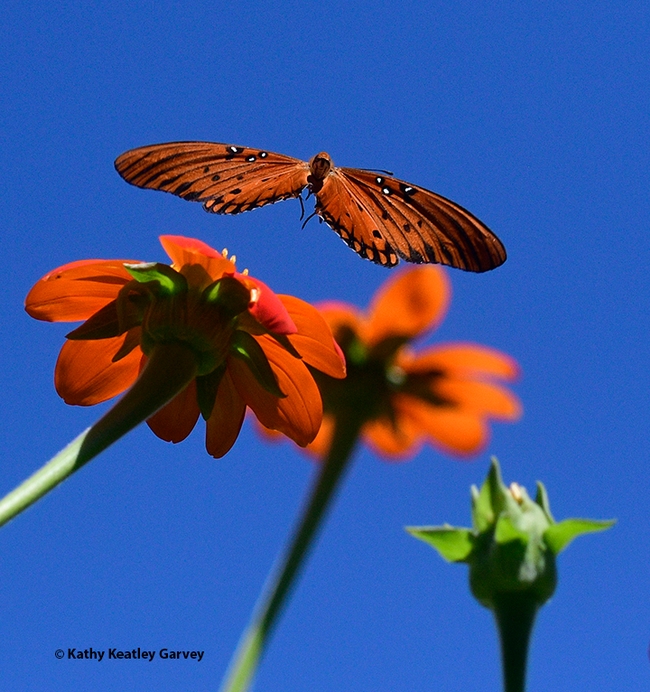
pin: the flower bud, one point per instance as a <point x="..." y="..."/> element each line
<point x="512" y="546"/>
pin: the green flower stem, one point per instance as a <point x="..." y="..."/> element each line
<point x="249" y="652"/>
<point x="515" y="615"/>
<point x="169" y="369"/>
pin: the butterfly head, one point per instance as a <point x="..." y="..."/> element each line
<point x="320" y="165"/>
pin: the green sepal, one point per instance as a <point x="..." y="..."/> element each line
<point x="386" y="349"/>
<point x="229" y="294"/>
<point x="283" y="340"/>
<point x="131" y="341"/>
<point x="489" y="502"/>
<point x="356" y="352"/>
<point x="506" y="531"/>
<point x="453" y="544"/>
<point x="247" y="323"/>
<point x="104" y="324"/>
<point x="245" y="347"/>
<point x="558" y="536"/>
<point x="354" y="349"/>
<point x="206" y="390"/>
<point x="113" y="319"/>
<point x="168" y="280"/>
<point x="542" y="500"/>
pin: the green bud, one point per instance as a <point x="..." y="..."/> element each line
<point x="513" y="543"/>
<point x="511" y="550"/>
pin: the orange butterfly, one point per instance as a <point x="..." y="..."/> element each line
<point x="380" y="217"/>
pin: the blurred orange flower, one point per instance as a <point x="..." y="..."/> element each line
<point x="444" y="395"/>
<point x="252" y="346"/>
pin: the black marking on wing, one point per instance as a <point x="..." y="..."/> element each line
<point x="386" y="257"/>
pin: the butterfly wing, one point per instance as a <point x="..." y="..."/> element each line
<point x="383" y="218"/>
<point x="228" y="179"/>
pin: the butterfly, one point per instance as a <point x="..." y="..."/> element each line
<point x="380" y="217"/>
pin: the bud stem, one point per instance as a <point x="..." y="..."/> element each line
<point x="515" y="615"/>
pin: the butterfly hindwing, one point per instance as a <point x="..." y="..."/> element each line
<point x="343" y="210"/>
<point x="420" y="225"/>
<point x="228" y="179"/>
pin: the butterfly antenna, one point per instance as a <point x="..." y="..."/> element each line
<point x="378" y="170"/>
<point x="311" y="216"/>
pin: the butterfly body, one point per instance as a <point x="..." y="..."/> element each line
<point x="380" y="217"/>
<point x="320" y="166"/>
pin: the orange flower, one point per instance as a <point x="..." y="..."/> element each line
<point x="443" y="395"/>
<point x="251" y="346"/>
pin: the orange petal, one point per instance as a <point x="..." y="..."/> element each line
<point x="401" y="441"/>
<point x="226" y="420"/>
<point x="85" y="374"/>
<point x="342" y="317"/>
<point x="320" y="446"/>
<point x="455" y="431"/>
<point x="463" y="359"/>
<point x="314" y="340"/>
<point x="268" y="434"/>
<point x="176" y="420"/>
<point x="77" y="290"/>
<point x="409" y="303"/>
<point x="185" y="251"/>
<point x="299" y="414"/>
<point x="481" y="397"/>
<point x="339" y="315"/>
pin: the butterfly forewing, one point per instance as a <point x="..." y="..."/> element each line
<point x="420" y="225"/>
<point x="228" y="179"/>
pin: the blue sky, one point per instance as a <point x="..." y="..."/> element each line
<point x="532" y="115"/>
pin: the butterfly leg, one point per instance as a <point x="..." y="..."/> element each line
<point x="311" y="216"/>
